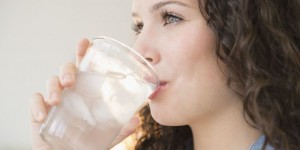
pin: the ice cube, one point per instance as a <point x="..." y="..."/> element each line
<point x="74" y="103"/>
<point x="89" y="84"/>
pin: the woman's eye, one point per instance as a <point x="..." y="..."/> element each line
<point x="137" y="28"/>
<point x="170" y="18"/>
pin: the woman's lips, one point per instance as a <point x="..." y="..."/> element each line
<point x="157" y="90"/>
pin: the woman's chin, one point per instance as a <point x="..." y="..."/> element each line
<point x="166" y="121"/>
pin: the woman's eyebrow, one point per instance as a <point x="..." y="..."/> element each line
<point x="158" y="5"/>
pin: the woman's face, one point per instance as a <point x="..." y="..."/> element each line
<point x="175" y="38"/>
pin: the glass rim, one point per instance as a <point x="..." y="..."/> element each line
<point x="148" y="65"/>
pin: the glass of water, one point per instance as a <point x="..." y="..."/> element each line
<point x="113" y="82"/>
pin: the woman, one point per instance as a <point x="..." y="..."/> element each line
<point x="229" y="71"/>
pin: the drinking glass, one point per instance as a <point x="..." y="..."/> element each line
<point x="112" y="83"/>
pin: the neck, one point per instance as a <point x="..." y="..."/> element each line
<point x="224" y="130"/>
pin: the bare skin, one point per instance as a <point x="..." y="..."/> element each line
<point x="41" y="104"/>
<point x="175" y="38"/>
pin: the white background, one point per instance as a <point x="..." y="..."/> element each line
<point x="36" y="37"/>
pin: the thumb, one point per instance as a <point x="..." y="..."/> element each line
<point x="127" y="130"/>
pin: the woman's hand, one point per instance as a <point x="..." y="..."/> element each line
<point x="41" y="104"/>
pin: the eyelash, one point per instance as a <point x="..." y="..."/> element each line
<point x="165" y="15"/>
<point x="137" y="28"/>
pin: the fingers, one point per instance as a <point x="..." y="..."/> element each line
<point x="40" y="105"/>
<point x="81" y="50"/>
<point x="130" y="127"/>
<point x="53" y="90"/>
<point x="67" y="74"/>
<point x="38" y="114"/>
<point x="56" y="84"/>
<point x="127" y="130"/>
<point x="38" y="108"/>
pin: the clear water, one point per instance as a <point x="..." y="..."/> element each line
<point x="94" y="110"/>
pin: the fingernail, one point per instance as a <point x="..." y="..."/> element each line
<point x="67" y="78"/>
<point x="39" y="116"/>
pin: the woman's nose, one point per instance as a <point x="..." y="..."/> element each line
<point x="148" y="49"/>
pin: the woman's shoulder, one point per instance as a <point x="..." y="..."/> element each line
<point x="258" y="145"/>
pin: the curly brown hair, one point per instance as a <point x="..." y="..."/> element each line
<point x="259" y="41"/>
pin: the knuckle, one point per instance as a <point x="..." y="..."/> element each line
<point x="37" y="100"/>
<point x="67" y="67"/>
<point x="36" y="97"/>
<point x="52" y="81"/>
